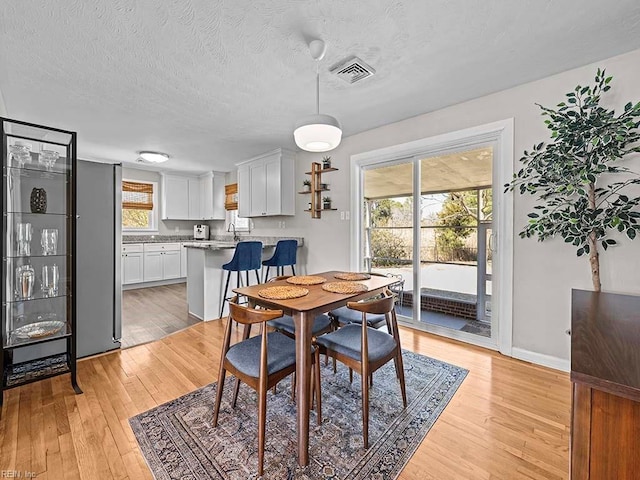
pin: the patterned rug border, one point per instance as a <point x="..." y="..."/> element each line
<point x="421" y="414"/>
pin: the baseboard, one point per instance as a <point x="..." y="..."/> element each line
<point x="158" y="283"/>
<point x="541" y="359"/>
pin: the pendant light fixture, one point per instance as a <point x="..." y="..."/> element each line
<point x="317" y="133"/>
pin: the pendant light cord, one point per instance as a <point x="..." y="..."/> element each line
<point x="318" y="87"/>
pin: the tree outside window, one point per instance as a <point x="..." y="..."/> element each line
<point x="138" y="205"/>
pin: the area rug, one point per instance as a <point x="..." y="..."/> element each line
<point x="178" y="441"/>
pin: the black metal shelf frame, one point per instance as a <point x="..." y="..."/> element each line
<point x="13" y="374"/>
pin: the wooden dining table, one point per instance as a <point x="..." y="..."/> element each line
<point x="304" y="310"/>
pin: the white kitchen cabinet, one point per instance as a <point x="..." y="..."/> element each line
<point x="175" y="197"/>
<point x="193" y="197"/>
<point x="183" y="261"/>
<point x="266" y="185"/>
<point x="244" y="191"/>
<point x="161" y="261"/>
<point x="171" y="264"/>
<point x="132" y="263"/>
<point x="152" y="266"/>
<point x="212" y="196"/>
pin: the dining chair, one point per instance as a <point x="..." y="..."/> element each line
<point x="366" y="349"/>
<point x="260" y="362"/>
<point x="344" y="315"/>
<point x="246" y="257"/>
<point x="284" y="256"/>
<point x="284" y="324"/>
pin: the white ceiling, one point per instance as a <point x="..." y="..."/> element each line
<point x="215" y="82"/>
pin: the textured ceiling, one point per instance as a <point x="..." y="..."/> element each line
<point x="214" y="82"/>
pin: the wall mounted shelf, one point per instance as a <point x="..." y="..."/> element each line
<point x="316" y="190"/>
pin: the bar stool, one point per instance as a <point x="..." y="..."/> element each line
<point x="285" y="255"/>
<point x="246" y="257"/>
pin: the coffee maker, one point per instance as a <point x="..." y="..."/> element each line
<point x="201" y="232"/>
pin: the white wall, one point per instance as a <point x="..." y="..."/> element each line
<point x="3" y="108"/>
<point x="544" y="273"/>
<point x="165" y="227"/>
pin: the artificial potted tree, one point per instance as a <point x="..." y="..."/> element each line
<point x="582" y="189"/>
<point x="326" y="203"/>
<point x="306" y="185"/>
<point x="326" y="162"/>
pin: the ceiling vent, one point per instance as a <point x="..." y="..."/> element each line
<point x="353" y="70"/>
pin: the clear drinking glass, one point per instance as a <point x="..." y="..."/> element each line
<point x="23" y="238"/>
<point x="50" y="280"/>
<point x="49" y="241"/>
<point x="25" y="279"/>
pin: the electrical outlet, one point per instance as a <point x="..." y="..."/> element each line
<point x="283" y="224"/>
<point x="346" y="215"/>
<point x="342" y="215"/>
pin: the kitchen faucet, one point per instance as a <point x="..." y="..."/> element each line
<point x="236" y="237"/>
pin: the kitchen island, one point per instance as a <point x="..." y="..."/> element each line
<point x="205" y="276"/>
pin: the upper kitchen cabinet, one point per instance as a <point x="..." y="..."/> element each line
<point x="266" y="185"/>
<point x="212" y="196"/>
<point x="193" y="197"/>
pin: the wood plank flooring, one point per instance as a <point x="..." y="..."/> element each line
<point x="509" y="419"/>
<point x="150" y="314"/>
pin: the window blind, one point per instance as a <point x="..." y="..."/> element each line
<point x="137" y="196"/>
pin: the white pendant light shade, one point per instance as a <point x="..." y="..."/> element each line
<point x="318" y="133"/>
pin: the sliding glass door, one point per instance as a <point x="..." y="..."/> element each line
<point x="428" y="220"/>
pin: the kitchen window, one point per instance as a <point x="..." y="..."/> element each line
<point x="139" y="206"/>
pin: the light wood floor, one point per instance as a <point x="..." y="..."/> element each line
<point x="509" y="419"/>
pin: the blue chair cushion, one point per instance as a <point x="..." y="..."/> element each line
<point x="345" y="315"/>
<point x="285" y="254"/>
<point x="247" y="256"/>
<point x="245" y="356"/>
<point x="347" y="341"/>
<point x="285" y="324"/>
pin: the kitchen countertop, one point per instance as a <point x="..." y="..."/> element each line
<point x="220" y="242"/>
<point x="156" y="238"/>
<point x="216" y="242"/>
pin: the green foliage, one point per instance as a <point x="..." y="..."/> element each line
<point x="135" y="218"/>
<point x="575" y="175"/>
<point x="587" y="139"/>
<point x="388" y="249"/>
<point x="382" y="212"/>
<point x="460" y="209"/>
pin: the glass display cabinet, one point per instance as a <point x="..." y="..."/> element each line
<point x="38" y="264"/>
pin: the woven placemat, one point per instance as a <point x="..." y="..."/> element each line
<point x="345" y="288"/>
<point x="306" y="280"/>
<point x="352" y="276"/>
<point x="283" y="292"/>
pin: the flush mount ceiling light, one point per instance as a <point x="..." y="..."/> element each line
<point x="154" y="157"/>
<point x="317" y="133"/>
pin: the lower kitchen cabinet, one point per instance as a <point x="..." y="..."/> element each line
<point x="132" y="264"/>
<point x="171" y="264"/>
<point x="153" y="262"/>
<point x="161" y="261"/>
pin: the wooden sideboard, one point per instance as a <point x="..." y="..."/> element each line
<point x="605" y="375"/>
